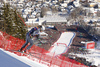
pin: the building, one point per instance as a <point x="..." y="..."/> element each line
<point x="34" y="22"/>
<point x="54" y="19"/>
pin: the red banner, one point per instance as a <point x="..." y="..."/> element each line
<point x="90" y="45"/>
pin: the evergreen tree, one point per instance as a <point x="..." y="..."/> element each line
<point x="12" y="24"/>
<point x="19" y="27"/>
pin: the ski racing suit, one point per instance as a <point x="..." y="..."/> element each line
<point x="34" y="31"/>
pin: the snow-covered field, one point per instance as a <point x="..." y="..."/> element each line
<point x="93" y="56"/>
<point x="8" y="59"/>
<point x="62" y="44"/>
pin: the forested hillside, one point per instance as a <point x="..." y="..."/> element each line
<point x="11" y="23"/>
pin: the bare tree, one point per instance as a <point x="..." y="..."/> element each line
<point x="98" y="13"/>
<point x="54" y="10"/>
<point x="43" y="11"/>
<point x="76" y="13"/>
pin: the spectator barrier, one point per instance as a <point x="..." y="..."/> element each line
<point x="38" y="54"/>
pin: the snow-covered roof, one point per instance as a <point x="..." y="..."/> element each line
<point x="45" y="5"/>
<point x="49" y="12"/>
<point x="98" y="23"/>
<point x="47" y="2"/>
<point x="55" y="18"/>
<point x="39" y="0"/>
<point x="34" y="13"/>
<point x="92" y="3"/>
<point x="56" y="5"/>
<point x="35" y="20"/>
<point x="89" y="10"/>
<point x="86" y="20"/>
<point x="21" y="1"/>
<point x="83" y="0"/>
<point x="76" y="4"/>
<point x="24" y="15"/>
<point x="38" y="5"/>
<point x="31" y="20"/>
<point x="64" y="4"/>
<point x="54" y="2"/>
<point x="93" y="19"/>
<point x="27" y="10"/>
<point x="98" y="20"/>
<point x="66" y="1"/>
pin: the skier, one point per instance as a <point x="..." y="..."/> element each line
<point x="34" y="32"/>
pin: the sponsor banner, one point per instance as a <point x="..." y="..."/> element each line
<point x="90" y="45"/>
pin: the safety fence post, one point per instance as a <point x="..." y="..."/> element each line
<point x="15" y="42"/>
<point x="34" y="49"/>
<point x="72" y="64"/>
<point x="10" y="38"/>
<point x="41" y="56"/>
<point x="51" y="59"/>
<point x="62" y="62"/>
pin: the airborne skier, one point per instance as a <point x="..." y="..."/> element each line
<point x="34" y="32"/>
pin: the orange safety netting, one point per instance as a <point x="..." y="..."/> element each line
<point x="38" y="54"/>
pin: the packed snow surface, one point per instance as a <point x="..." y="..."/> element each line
<point x="8" y="59"/>
<point x="62" y="44"/>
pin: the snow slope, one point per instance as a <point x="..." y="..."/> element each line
<point x="8" y="59"/>
<point x="62" y="44"/>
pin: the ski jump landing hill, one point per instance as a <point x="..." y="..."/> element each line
<point x="40" y="55"/>
<point x="62" y="44"/>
